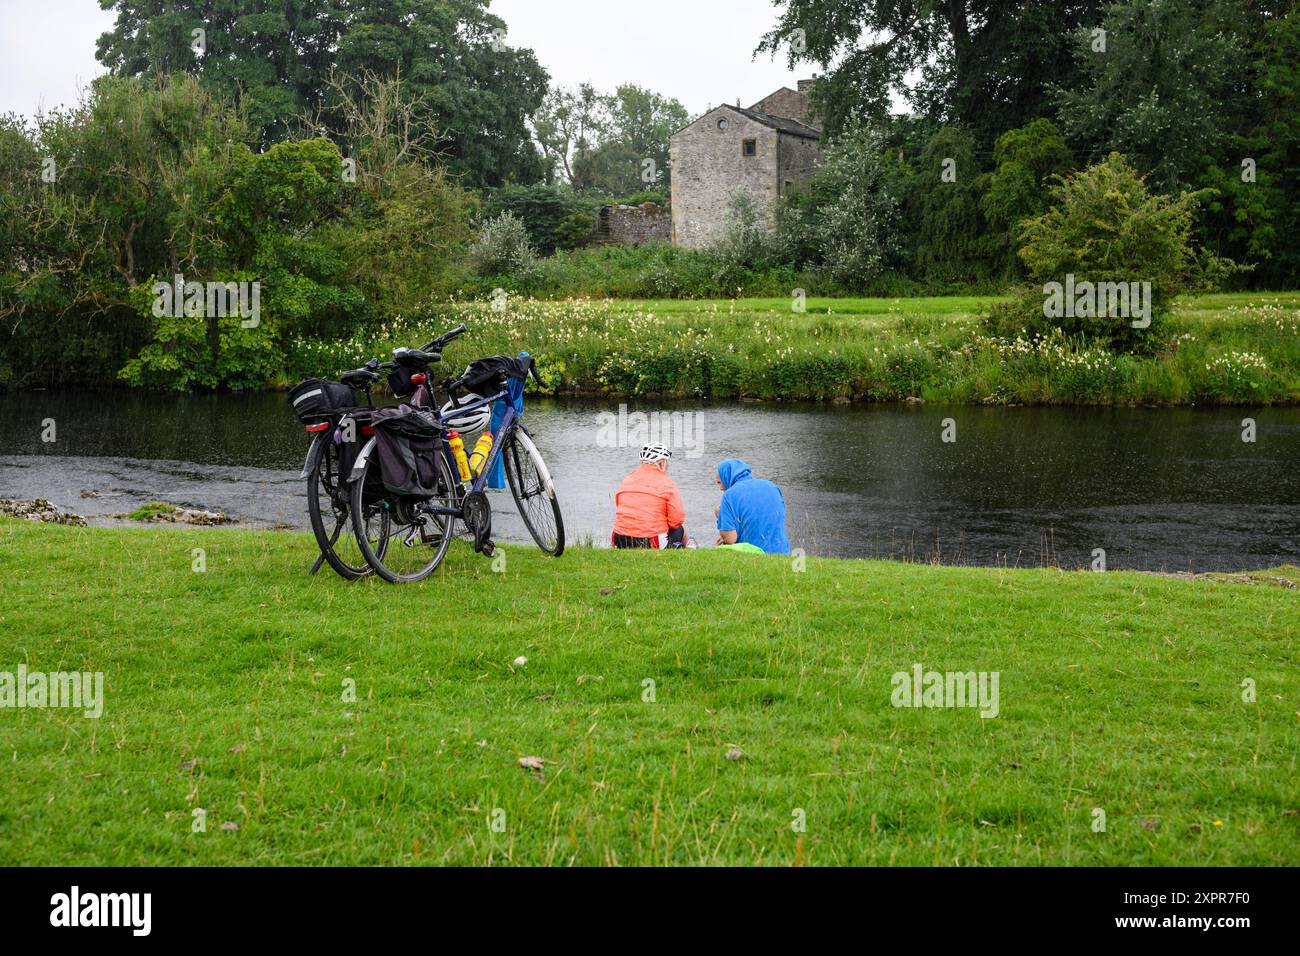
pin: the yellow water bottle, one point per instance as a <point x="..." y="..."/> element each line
<point x="479" y="456"/>
<point x="458" y="452"/>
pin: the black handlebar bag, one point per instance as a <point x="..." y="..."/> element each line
<point x="487" y="375"/>
<point x="407" y="441"/>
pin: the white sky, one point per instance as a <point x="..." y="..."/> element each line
<point x="699" y="51"/>
<point x="47" y="52"/>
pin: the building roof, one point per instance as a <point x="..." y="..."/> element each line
<point x="785" y="124"/>
<point x="782" y="124"/>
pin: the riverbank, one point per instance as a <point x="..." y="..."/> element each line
<point x="685" y="708"/>
<point x="1223" y="349"/>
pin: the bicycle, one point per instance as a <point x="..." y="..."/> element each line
<point x="424" y="521"/>
<point x="339" y="427"/>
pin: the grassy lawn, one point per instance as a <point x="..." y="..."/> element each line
<point x="1237" y="348"/>
<point x="224" y="691"/>
<point x="953" y="307"/>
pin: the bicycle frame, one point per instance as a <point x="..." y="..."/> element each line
<point x="507" y="425"/>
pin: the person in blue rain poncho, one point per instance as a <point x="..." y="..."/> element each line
<point x="752" y="511"/>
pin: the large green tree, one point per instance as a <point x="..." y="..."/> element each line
<point x="277" y="57"/>
<point x="986" y="65"/>
<point x="613" y="144"/>
<point x="1161" y="85"/>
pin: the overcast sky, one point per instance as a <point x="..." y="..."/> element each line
<point x="699" y="51"/>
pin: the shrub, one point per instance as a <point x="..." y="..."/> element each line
<point x="849" y="220"/>
<point x="555" y="217"/>
<point x="1105" y="227"/>
<point x="503" y="248"/>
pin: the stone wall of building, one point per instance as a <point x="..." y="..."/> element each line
<point x="632" y="225"/>
<point x="709" y="165"/>
<point x="797" y="160"/>
<point x="787" y="102"/>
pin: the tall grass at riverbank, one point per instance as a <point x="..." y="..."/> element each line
<point x="1222" y="349"/>
<point x="686" y="708"/>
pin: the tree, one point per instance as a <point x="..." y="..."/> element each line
<point x="1171" y="74"/>
<point x="952" y="241"/>
<point x="847" y="221"/>
<point x="1024" y="161"/>
<point x="611" y="144"/>
<point x="277" y="59"/>
<point x="641" y="123"/>
<point x="149" y="179"/>
<point x="568" y="124"/>
<point x="1105" y="225"/>
<point x="1254" y="212"/>
<point x="983" y="64"/>
<point x="554" y="216"/>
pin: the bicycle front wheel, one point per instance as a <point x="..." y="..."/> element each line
<point x="534" y="492"/>
<point x="401" y="540"/>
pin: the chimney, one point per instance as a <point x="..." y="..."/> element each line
<point x="806" y="85"/>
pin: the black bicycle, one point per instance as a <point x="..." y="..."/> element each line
<point x="340" y="428"/>
<point x="404" y="518"/>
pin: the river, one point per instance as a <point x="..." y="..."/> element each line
<point x="1173" y="489"/>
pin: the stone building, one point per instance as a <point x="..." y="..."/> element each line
<point x="792" y="104"/>
<point x="729" y="148"/>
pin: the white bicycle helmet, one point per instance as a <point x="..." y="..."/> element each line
<point x="474" y="420"/>
<point x="655" y="451"/>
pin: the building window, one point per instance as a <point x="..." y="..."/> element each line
<point x="749" y="147"/>
<point x="722" y="124"/>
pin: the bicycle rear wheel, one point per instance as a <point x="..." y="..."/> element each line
<point x="534" y="492"/>
<point x="400" y="539"/>
<point x="329" y="508"/>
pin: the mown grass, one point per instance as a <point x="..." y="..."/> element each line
<point x="224" y="691"/>
<point x="1221" y="349"/>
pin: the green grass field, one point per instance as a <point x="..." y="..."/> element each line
<point x="225" y="691"/>
<point x="1232" y="348"/>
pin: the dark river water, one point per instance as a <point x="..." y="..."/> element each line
<point x="1157" y="489"/>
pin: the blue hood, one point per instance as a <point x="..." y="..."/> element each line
<point x="731" y="471"/>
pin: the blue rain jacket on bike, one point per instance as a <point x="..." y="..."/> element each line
<point x="515" y="386"/>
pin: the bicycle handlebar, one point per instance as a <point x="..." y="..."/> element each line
<point x="441" y="341"/>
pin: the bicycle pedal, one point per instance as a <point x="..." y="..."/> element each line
<point x="487" y="549"/>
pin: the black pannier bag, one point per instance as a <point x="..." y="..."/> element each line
<point x="407" y="440"/>
<point x="317" y="398"/>
<point x="487" y="375"/>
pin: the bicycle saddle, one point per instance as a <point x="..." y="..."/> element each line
<point x="359" y="376"/>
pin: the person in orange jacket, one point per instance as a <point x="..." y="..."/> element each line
<point x="648" y="510"/>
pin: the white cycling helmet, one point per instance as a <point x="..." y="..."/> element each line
<point x="474" y="420"/>
<point x="655" y="451"/>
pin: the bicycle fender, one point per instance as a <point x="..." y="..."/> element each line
<point x="314" y="453"/>
<point x="363" y="456"/>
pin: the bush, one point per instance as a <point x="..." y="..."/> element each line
<point x="847" y="220"/>
<point x="1105" y="227"/>
<point x="555" y="217"/>
<point x="503" y="248"/>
